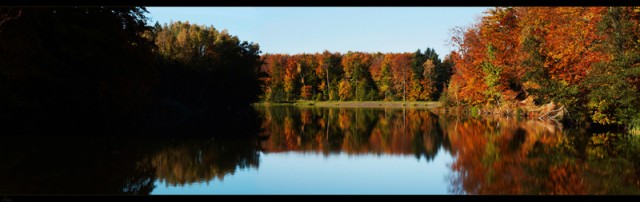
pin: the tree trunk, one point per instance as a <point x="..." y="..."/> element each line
<point x="404" y="84"/>
<point x="328" y="86"/>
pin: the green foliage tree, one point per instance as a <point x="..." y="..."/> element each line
<point x="615" y="84"/>
<point x="214" y="69"/>
<point x="385" y="81"/>
<point x="356" y="68"/>
<point x="492" y="77"/>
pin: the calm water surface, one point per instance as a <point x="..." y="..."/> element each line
<point x="335" y="151"/>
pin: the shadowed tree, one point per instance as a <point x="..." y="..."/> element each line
<point x="73" y="68"/>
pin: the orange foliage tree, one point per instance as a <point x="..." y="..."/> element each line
<point x="353" y="76"/>
<point x="551" y="54"/>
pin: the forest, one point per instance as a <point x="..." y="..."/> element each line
<point x="72" y="69"/>
<point x="355" y="76"/>
<point x="585" y="60"/>
<point x="104" y="70"/>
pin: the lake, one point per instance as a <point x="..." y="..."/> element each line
<point x="318" y="150"/>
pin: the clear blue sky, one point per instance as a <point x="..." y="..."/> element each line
<point x="337" y="29"/>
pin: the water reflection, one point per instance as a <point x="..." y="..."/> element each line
<point x="492" y="155"/>
<point x="332" y="150"/>
<point x="201" y="160"/>
<point x="533" y="157"/>
<point x="74" y="165"/>
<point x="352" y="131"/>
<point x="495" y="156"/>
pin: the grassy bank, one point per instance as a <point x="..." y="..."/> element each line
<point x="366" y="104"/>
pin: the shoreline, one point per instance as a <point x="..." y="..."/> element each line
<point x="359" y="104"/>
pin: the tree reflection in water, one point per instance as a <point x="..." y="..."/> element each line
<point x="505" y="156"/>
<point x="201" y="161"/>
<point x="492" y="156"/>
<point x="352" y="131"/>
<point x="74" y="165"/>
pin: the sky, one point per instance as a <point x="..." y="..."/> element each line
<point x="295" y="30"/>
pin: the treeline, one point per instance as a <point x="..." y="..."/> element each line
<point x="355" y="76"/>
<point x="586" y="59"/>
<point x="207" y="78"/>
<point x="103" y="69"/>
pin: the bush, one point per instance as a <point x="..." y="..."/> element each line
<point x="444" y="99"/>
<point x="475" y="111"/>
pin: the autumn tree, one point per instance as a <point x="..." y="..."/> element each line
<point x="468" y="77"/>
<point x="353" y="76"/>
<point x="377" y="60"/>
<point x="274" y="82"/>
<point x="416" y="89"/>
<point x="292" y="84"/>
<point x="580" y="58"/>
<point x="213" y="61"/>
<point x="425" y="68"/>
<point x="443" y="76"/>
<point x="401" y="72"/>
<point x="386" y="83"/>
<point x="309" y="79"/>
<point x="330" y="70"/>
<point x="356" y="67"/>
<point x="614" y="83"/>
<point x="558" y="50"/>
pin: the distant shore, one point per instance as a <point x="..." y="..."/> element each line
<point x="364" y="104"/>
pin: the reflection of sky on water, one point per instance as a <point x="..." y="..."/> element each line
<point x="314" y="173"/>
<point x="361" y="152"/>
